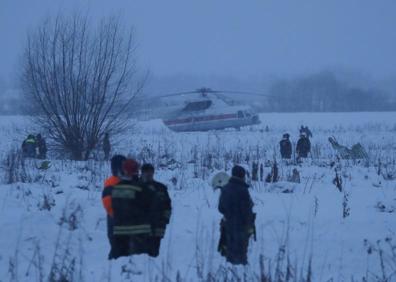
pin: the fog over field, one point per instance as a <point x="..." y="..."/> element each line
<point x="228" y="45"/>
<point x="270" y="127"/>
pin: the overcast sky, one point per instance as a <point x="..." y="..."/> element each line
<point x="231" y="37"/>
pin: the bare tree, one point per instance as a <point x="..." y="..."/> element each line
<point x="80" y="80"/>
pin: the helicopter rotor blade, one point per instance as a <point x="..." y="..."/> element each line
<point x="206" y="91"/>
<point x="202" y="91"/>
<point x="151" y="98"/>
<point x="177" y="94"/>
<point x="243" y="93"/>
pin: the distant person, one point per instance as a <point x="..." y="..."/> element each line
<point x="41" y="147"/>
<point x="106" y="146"/>
<point x="133" y="213"/>
<point x="29" y="147"/>
<point x="237" y="225"/>
<point x="163" y="208"/>
<point x="116" y="171"/>
<point x="303" y="146"/>
<point x="306" y="130"/>
<point x="285" y="147"/>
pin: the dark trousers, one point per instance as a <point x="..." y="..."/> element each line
<point x="233" y="244"/>
<point x="110" y="225"/>
<point x="154" y="245"/>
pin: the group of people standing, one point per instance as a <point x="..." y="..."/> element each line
<point x="303" y="147"/>
<point x="34" y="146"/>
<point x="139" y="209"/>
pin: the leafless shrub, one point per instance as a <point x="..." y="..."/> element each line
<point x="67" y="264"/>
<point x="91" y="175"/>
<point x="129" y="270"/>
<point x="346" y="210"/>
<point x="15" y="168"/>
<point x="71" y="216"/>
<point x="385" y="259"/>
<point x="46" y="202"/>
<point x="13" y="262"/>
<point x="80" y="81"/>
<point x="13" y="269"/>
<point x="36" y="263"/>
<point x="63" y="267"/>
<point x="337" y="181"/>
<point x="316" y="152"/>
<point x="385" y="207"/>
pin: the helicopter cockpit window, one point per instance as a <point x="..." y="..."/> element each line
<point x="198" y="106"/>
<point x="240" y="114"/>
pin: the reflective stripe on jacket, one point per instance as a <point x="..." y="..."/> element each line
<point x="133" y="206"/>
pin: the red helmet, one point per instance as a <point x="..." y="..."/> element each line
<point x="130" y="167"/>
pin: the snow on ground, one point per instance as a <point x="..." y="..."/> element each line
<point x="56" y="223"/>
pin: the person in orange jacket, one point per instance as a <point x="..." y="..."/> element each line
<point x="134" y="213"/>
<point x="116" y="170"/>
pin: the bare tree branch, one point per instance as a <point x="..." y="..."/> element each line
<point x="80" y="80"/>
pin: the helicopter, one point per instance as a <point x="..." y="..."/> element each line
<point x="205" y="109"/>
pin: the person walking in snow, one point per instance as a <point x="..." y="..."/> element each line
<point x="236" y="206"/>
<point x="285" y="147"/>
<point x="163" y="208"/>
<point x="303" y="146"/>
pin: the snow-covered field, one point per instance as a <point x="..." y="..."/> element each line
<point x="54" y="223"/>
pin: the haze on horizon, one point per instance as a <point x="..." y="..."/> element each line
<point x="226" y="38"/>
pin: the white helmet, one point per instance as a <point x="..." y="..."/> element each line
<point x="220" y="179"/>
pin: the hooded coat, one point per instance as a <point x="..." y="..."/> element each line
<point x="285" y="148"/>
<point x="303" y="147"/>
<point x="236" y="206"/>
<point x="163" y="209"/>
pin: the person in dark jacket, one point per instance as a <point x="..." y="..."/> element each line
<point x="285" y="147"/>
<point x="106" y="146"/>
<point x="116" y="170"/>
<point x="42" y="147"/>
<point x="29" y="146"/>
<point x="306" y="130"/>
<point x="237" y="226"/>
<point x="309" y="132"/>
<point x="303" y="146"/>
<point x="133" y="213"/>
<point x="163" y="208"/>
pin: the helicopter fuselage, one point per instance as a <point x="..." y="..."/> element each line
<point x="206" y="121"/>
<point x="206" y="110"/>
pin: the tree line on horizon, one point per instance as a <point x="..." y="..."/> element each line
<point x="319" y="92"/>
<point x="324" y="92"/>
